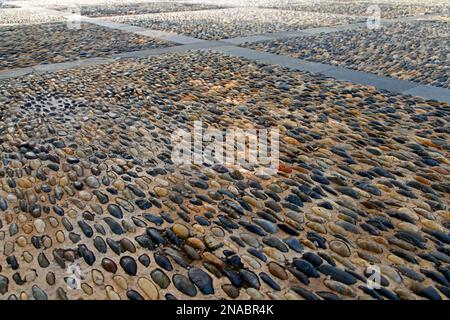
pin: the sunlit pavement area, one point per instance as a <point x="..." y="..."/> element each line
<point x="93" y="204"/>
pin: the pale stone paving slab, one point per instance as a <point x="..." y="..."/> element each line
<point x="288" y="62"/>
<point x="14" y="73"/>
<point x="386" y="83"/>
<point x="430" y="92"/>
<point x="241" y="40"/>
<point x="44" y="68"/>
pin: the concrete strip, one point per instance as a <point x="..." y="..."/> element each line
<point x="13" y="73"/>
<point x="181" y="39"/>
<point x="270" y="58"/>
<point x="292" y="34"/>
<point x="44" y="68"/>
<point x="385" y="83"/>
<point x="430" y="92"/>
<point x="250" y="39"/>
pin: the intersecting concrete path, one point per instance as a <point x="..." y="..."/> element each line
<point x="230" y="47"/>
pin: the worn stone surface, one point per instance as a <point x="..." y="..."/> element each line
<point x="92" y="205"/>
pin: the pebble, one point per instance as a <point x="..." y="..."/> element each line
<point x="148" y="288"/>
<point x="160" y="278"/>
<point x="184" y="285"/>
<point x="129" y="265"/>
<point x="202" y="280"/>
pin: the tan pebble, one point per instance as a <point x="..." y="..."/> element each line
<point x="290" y="140"/>
<point x="180" y="230"/>
<point x="60" y="237"/>
<point x="406" y="226"/>
<point x="251" y="261"/>
<point x="31" y="276"/>
<point x="27" y="257"/>
<point x="443" y="214"/>
<point x="97" y="277"/>
<point x="8" y="248"/>
<point x="148" y="288"/>
<point x="404" y="294"/>
<point x="24" y="183"/>
<point x="53" y="222"/>
<point x="198" y="228"/>
<point x="21" y="241"/>
<point x="72" y="213"/>
<point x="339" y="288"/>
<point x="344" y="261"/>
<point x="292" y="296"/>
<point x="21" y="217"/>
<point x="421" y="204"/>
<point x="274" y="296"/>
<point x="363" y="193"/>
<point x="370" y="246"/>
<point x="395" y="259"/>
<point x="84" y="195"/>
<point x="340" y="248"/>
<point x="121" y="282"/>
<point x="381" y="240"/>
<point x="274" y="254"/>
<point x="277" y="270"/>
<point x="161" y="192"/>
<point x="27" y="228"/>
<point x="358" y="261"/>
<point x="87" y="289"/>
<point x="347" y="200"/>
<point x="426" y="214"/>
<point x="213" y="259"/>
<point x="409" y="212"/>
<point x="308" y="243"/>
<point x="391" y="273"/>
<point x="314" y="218"/>
<point x="23" y="296"/>
<point x="316" y="227"/>
<point x="254" y="294"/>
<point x="337" y="229"/>
<point x="196" y="243"/>
<point x="250" y="200"/>
<point x="64" y="181"/>
<point x="432" y="225"/>
<point x="111" y="294"/>
<point x="47" y="242"/>
<point x="230" y="245"/>
<point x="215" y="184"/>
<point x="218" y="232"/>
<point x="119" y="185"/>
